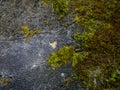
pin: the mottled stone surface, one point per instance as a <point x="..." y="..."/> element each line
<point x="24" y="63"/>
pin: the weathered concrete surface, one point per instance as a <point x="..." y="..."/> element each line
<point x="24" y="63"/>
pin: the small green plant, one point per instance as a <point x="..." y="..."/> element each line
<point x="61" y="57"/>
<point x="26" y="31"/>
<point x="4" y="81"/>
<point x="67" y="81"/>
<point x="60" y="7"/>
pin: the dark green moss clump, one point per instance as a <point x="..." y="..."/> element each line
<point x="98" y="65"/>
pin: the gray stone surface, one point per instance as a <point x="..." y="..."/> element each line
<point x="25" y="62"/>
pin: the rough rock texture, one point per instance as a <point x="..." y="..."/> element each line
<point x="24" y="63"/>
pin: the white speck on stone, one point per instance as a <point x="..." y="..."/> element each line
<point x="39" y="54"/>
<point x="34" y="66"/>
<point x="62" y="75"/>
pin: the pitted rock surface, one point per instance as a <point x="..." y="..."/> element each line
<point x="24" y="63"/>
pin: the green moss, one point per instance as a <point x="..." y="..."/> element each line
<point x="26" y="31"/>
<point x="4" y="81"/>
<point x="97" y="66"/>
<point x="60" y="7"/>
<point x="61" y="57"/>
